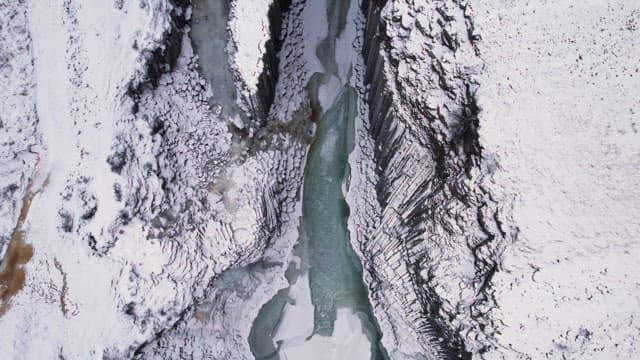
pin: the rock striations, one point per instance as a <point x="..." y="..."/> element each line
<point x="434" y="235"/>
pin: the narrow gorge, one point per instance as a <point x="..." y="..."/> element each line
<point x="325" y="311"/>
<point x="319" y="179"/>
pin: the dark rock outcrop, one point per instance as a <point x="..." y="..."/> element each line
<point x="440" y="234"/>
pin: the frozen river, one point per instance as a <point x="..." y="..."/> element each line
<point x="325" y="312"/>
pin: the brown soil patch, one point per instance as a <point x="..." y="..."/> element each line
<point x="12" y="272"/>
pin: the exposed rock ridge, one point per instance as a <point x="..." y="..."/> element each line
<point x="440" y="233"/>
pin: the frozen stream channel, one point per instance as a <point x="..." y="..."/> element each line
<point x="325" y="311"/>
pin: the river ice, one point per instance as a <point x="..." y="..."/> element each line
<point x="326" y="313"/>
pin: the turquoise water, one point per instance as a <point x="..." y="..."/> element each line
<point x="209" y="38"/>
<point x="335" y="275"/>
<point x="324" y="248"/>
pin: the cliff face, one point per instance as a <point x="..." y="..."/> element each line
<point x="435" y="238"/>
<point x="476" y="148"/>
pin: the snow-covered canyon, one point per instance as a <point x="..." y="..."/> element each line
<point x="331" y="179"/>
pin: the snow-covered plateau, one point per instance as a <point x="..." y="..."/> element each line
<point x="319" y="179"/>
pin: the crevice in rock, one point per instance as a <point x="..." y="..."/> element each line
<point x="163" y="58"/>
<point x="271" y="60"/>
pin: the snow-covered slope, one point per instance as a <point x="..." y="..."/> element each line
<point x="143" y="193"/>
<point x="84" y="58"/>
<point x="19" y="135"/>
<point x="559" y="106"/>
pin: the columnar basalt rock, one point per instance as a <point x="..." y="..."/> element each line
<point x="439" y="233"/>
